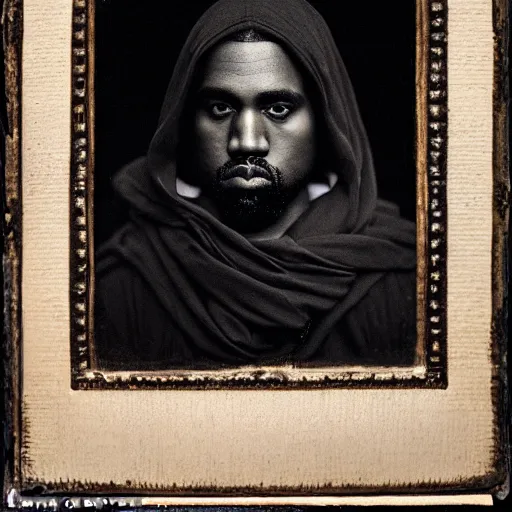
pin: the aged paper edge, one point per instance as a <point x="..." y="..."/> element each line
<point x="95" y="503"/>
<point x="12" y="24"/>
<point x="500" y="259"/>
<point x="412" y="500"/>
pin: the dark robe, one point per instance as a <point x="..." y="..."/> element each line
<point x="176" y="288"/>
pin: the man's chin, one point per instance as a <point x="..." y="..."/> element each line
<point x="248" y="214"/>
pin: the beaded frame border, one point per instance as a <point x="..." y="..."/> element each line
<point x="431" y="80"/>
<point x="81" y="262"/>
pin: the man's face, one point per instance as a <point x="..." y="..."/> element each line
<point x="254" y="133"/>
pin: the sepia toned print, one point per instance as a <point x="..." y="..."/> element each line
<point x="256" y="235"/>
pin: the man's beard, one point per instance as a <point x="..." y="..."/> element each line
<point x="251" y="209"/>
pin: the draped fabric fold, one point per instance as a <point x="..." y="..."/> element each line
<point x="225" y="298"/>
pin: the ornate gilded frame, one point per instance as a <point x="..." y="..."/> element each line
<point x="431" y="86"/>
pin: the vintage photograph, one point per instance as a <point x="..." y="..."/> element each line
<point x="255" y="253"/>
<point x="252" y="221"/>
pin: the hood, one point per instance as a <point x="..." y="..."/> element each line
<point x="303" y="33"/>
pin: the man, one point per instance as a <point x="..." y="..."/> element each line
<point x="256" y="236"/>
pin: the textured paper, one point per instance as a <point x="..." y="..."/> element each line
<point x="335" y="437"/>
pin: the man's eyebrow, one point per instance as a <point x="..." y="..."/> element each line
<point x="288" y="95"/>
<point x="215" y="93"/>
<point x="264" y="97"/>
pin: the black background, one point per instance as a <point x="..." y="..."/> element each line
<point x="137" y="44"/>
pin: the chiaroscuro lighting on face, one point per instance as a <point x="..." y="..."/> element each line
<point x="254" y="134"/>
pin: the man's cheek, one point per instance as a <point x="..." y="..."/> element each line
<point x="211" y="150"/>
<point x="294" y="154"/>
<point x="209" y="135"/>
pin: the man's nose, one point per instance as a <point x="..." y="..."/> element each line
<point x="248" y="135"/>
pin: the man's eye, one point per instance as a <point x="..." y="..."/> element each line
<point x="278" y="111"/>
<point x="220" y="110"/>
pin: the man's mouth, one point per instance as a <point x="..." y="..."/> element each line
<point x="246" y="176"/>
<point x="248" y="193"/>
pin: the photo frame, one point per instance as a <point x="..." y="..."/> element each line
<point x="37" y="314"/>
<point x="430" y="368"/>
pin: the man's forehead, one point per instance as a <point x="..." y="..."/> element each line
<point x="249" y="63"/>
